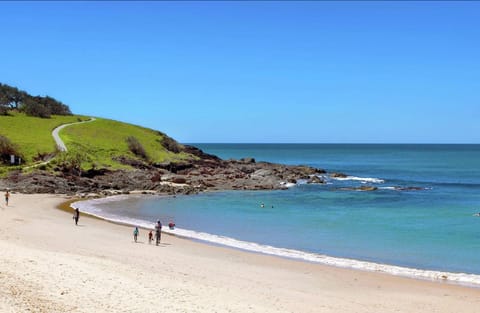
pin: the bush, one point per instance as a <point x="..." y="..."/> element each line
<point x="70" y="162"/>
<point x="7" y="148"/>
<point x="136" y="147"/>
<point x="3" y="110"/>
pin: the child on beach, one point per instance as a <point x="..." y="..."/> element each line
<point x="150" y="237"/>
<point x="135" y="234"/>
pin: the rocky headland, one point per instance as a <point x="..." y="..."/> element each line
<point x="206" y="173"/>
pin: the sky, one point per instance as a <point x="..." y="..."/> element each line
<point x="280" y="72"/>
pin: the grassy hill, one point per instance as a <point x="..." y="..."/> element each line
<point x="33" y="135"/>
<point x="101" y="143"/>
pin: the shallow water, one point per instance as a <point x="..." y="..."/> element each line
<point x="428" y="229"/>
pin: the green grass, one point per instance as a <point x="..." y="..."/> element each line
<point x="99" y="141"/>
<point x="33" y="135"/>
<point x="102" y="140"/>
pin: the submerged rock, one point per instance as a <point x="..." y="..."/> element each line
<point x="361" y="188"/>
<point x="408" y="188"/>
<point x="338" y="175"/>
<point x="316" y="180"/>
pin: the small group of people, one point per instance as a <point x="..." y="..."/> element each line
<point x="158" y="232"/>
<point x="136" y="232"/>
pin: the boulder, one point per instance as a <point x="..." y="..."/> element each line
<point x="261" y="173"/>
<point x="179" y="180"/>
<point x="338" y="175"/>
<point x="315" y="180"/>
<point x="247" y="160"/>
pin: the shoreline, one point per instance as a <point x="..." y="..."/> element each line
<point x="454" y="278"/>
<point x="50" y="265"/>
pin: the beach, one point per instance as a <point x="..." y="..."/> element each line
<point x="48" y="264"/>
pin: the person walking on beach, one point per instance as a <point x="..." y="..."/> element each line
<point x="135" y="234"/>
<point x="76" y="215"/>
<point x="158" y="232"/>
<point x="7" y="196"/>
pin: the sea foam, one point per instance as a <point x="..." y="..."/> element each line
<point x="361" y="179"/>
<point x="89" y="207"/>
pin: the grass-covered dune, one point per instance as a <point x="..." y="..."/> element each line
<point x="104" y="141"/>
<point x="101" y="143"/>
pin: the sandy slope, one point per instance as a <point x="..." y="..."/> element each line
<point x="47" y="264"/>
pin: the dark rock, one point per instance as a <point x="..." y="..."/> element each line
<point x="247" y="160"/>
<point x="315" y="180"/>
<point x="408" y="188"/>
<point x="91" y="173"/>
<point x="173" y="167"/>
<point x="361" y="188"/>
<point x="199" y="153"/>
<point x="179" y="180"/>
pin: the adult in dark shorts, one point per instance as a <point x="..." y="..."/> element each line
<point x="76" y="215"/>
<point x="158" y="232"/>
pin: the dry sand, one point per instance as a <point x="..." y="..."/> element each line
<point x="47" y="264"/>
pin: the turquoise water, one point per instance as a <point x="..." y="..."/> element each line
<point x="430" y="229"/>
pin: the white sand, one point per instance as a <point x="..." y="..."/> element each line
<point x="47" y="264"/>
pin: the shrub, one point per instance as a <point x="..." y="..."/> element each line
<point x="136" y="147"/>
<point x="3" y="110"/>
<point x="7" y="148"/>
<point x="70" y="162"/>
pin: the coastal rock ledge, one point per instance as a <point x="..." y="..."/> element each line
<point x="206" y="173"/>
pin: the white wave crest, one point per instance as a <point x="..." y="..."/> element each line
<point x="362" y="179"/>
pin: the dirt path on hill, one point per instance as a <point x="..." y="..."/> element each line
<point x="55" y="133"/>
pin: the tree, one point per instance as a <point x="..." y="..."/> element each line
<point x="14" y="99"/>
<point x="33" y="108"/>
<point x="3" y="104"/>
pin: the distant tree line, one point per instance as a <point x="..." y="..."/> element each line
<point x="12" y="98"/>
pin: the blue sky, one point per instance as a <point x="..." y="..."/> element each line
<point x="354" y="72"/>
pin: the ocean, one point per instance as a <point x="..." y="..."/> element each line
<point x="420" y="222"/>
